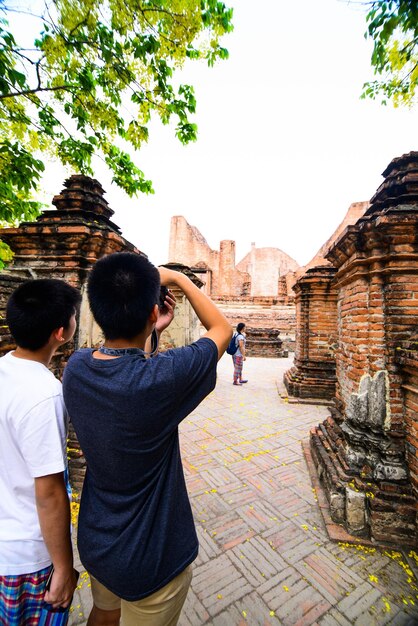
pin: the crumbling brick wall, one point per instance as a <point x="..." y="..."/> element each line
<point x="189" y="247"/>
<point x="8" y="283"/>
<point x="257" y="274"/>
<point x="407" y="360"/>
<point x="266" y="314"/>
<point x="266" y="266"/>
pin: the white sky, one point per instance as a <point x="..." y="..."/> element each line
<point x="285" y="143"/>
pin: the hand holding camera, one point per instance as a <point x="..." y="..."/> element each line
<point x="166" y="305"/>
<point x="217" y="326"/>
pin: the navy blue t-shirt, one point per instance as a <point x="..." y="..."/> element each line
<point x="136" y="530"/>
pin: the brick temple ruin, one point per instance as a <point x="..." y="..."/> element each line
<point x="257" y="290"/>
<point x="357" y="346"/>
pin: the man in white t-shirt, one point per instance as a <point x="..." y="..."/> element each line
<point x="34" y="503"/>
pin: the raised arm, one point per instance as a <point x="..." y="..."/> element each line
<point x="217" y="326"/>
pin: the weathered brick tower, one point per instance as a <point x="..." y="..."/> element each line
<point x="312" y="376"/>
<point x="66" y="242"/>
<point x="366" y="454"/>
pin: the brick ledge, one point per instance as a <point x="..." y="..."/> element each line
<point x="335" y="531"/>
<point x="282" y="392"/>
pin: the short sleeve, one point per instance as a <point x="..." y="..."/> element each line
<point x="194" y="374"/>
<point x="42" y="438"/>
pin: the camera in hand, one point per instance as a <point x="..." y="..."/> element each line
<point x="163" y="293"/>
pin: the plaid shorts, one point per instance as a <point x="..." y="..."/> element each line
<point x="22" y="597"/>
<point x="238" y="363"/>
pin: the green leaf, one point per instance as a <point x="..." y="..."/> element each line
<point x="95" y="74"/>
<point x="393" y="27"/>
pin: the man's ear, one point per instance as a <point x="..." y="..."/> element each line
<point x="58" y="334"/>
<point x="153" y="316"/>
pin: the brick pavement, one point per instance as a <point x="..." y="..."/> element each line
<point x="265" y="558"/>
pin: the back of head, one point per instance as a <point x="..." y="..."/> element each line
<point x="123" y="289"/>
<point x="37" y="308"/>
<point x="240" y="327"/>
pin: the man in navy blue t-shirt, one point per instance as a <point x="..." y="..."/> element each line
<point x="136" y="535"/>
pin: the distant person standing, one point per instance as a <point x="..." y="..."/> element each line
<point x="239" y="357"/>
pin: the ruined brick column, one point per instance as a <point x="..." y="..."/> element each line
<point x="225" y="283"/>
<point x="264" y="342"/>
<point x="313" y="372"/>
<point x="363" y="463"/>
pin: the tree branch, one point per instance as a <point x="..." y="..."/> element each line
<point x="27" y="92"/>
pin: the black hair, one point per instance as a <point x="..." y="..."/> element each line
<point x="37" y="308"/>
<point x="123" y="288"/>
<point x="240" y="327"/>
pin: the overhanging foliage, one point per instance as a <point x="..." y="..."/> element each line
<point x="96" y="73"/>
<point x="393" y="27"/>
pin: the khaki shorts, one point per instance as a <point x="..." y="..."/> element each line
<point x="161" y="608"/>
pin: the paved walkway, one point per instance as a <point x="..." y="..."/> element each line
<point x="265" y="557"/>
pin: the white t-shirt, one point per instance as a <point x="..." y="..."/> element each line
<point x="33" y="440"/>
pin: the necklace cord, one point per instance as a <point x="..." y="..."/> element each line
<point x="132" y="351"/>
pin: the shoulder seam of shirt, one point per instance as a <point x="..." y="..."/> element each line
<point x="55" y="395"/>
